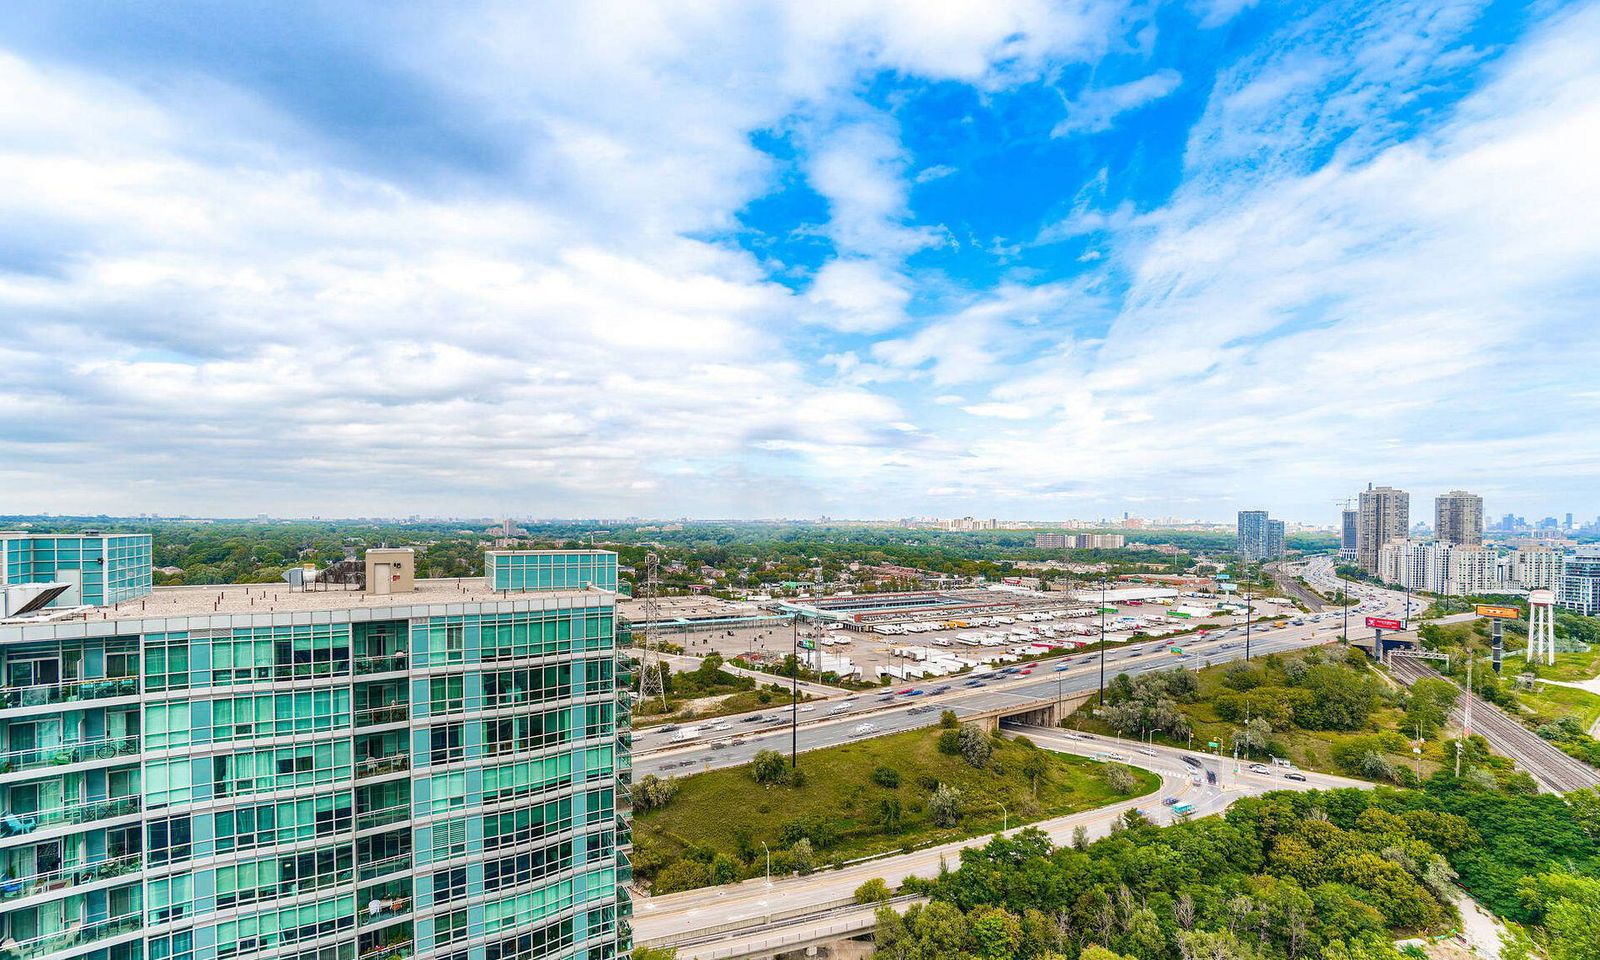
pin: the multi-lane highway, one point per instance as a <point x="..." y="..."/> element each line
<point x="754" y="915"/>
<point x="729" y="741"/>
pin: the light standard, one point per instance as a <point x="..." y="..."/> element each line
<point x="1102" y="642"/>
<point x="1247" y="611"/>
<point x="1005" y="816"/>
<point x="769" y="861"/>
<point x="794" y="693"/>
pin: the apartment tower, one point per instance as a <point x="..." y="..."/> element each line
<point x="1458" y="518"/>
<point x="364" y="767"/>
<point x="1384" y="515"/>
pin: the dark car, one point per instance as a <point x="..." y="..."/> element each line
<point x="1211" y="776"/>
<point x="1191" y="761"/>
<point x="1295" y="776"/>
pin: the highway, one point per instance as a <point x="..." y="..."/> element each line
<point x="729" y="741"/>
<point x="752" y="915"/>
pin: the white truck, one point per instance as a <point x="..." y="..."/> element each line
<point x="685" y="734"/>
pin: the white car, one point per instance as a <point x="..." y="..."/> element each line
<point x="864" y="728"/>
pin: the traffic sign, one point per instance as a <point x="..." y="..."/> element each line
<point x="1383" y="623"/>
<point x="1213" y="743"/>
<point x="1499" y="613"/>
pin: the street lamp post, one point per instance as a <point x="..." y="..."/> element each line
<point x="1247" y="619"/>
<point x="1102" y="642"/>
<point x="769" y="861"/>
<point x="1005" y="816"/>
<point x="794" y="694"/>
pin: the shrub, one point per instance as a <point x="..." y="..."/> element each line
<point x="948" y="720"/>
<point x="944" y="806"/>
<point x="873" y="891"/>
<point x="950" y="742"/>
<point x="975" y="746"/>
<point x="768" y="766"/>
<point x="887" y="777"/>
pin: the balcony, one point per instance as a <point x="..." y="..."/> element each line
<point x="384" y="901"/>
<point x="378" y="766"/>
<point x="75" y="934"/>
<point x="388" y="950"/>
<point x="65" y="753"/>
<point x="383" y="816"/>
<point x="379" y="868"/>
<point x="17" y="824"/>
<point x="73" y="692"/>
<point x="389" y="713"/>
<point x="383" y="663"/>
<point x="15" y="888"/>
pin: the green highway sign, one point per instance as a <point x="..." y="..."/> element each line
<point x="1213" y="744"/>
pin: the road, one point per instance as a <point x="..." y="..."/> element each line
<point x="733" y="740"/>
<point x="1553" y="770"/>
<point x="702" y="921"/>
<point x="686" y="663"/>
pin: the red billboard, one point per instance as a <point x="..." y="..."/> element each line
<point x="1381" y="623"/>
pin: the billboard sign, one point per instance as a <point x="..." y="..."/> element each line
<point x="1498" y="613"/>
<point x="1383" y="623"/>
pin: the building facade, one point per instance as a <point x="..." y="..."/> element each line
<point x="1348" y="524"/>
<point x="263" y="772"/>
<point x="1384" y="515"/>
<point x="1580" y="582"/>
<point x="1536" y="568"/>
<point x="1259" y="538"/>
<point x="98" y="569"/>
<point x="1079" y="541"/>
<point x="1458" y="518"/>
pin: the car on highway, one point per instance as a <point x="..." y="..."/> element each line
<point x="1169" y="801"/>
<point x="807" y="709"/>
<point x="973" y="683"/>
<point x="1061" y="668"/>
<point x="719" y="745"/>
<point x="1148" y="753"/>
<point x="669" y="728"/>
<point x="1295" y="776"/>
<point x="1024" y="673"/>
<point x="1211" y="776"/>
<point x="941" y="688"/>
<point x="1259" y="768"/>
<point x="913" y="693"/>
<point x="902" y="693"/>
<point x="1191" y="761"/>
<point x="862" y="729"/>
<point x="724" y="725"/>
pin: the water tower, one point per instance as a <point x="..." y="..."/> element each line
<point x="1542" y="626"/>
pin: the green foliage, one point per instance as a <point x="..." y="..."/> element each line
<point x="944" y="806"/>
<point x="948" y="720"/>
<point x="769" y="766"/>
<point x="1334" y="875"/>
<point x="950" y="742"/>
<point x="652" y="792"/>
<point x="974" y="745"/>
<point x="873" y="891"/>
<point x="886" y="777"/>
<point x="654" y="953"/>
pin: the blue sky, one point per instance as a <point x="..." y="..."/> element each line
<point x="1015" y="258"/>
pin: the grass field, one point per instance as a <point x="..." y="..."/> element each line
<point x="727" y="812"/>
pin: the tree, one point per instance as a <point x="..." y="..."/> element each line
<point x="654" y="953"/>
<point x="653" y="792"/>
<point x="801" y="856"/>
<point x="887" y="814"/>
<point x="1033" y="767"/>
<point x="873" y="891"/>
<point x="948" y="720"/>
<point x="1119" y="779"/>
<point x="995" y="933"/>
<point x="944" y="806"/>
<point x="768" y="766"/>
<point x="887" y="777"/>
<point x="975" y="746"/>
<point x="950" y="742"/>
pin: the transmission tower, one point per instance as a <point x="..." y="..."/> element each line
<point x="651" y="681"/>
<point x="1541" y="627"/>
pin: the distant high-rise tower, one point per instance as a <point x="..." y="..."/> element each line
<point x="1458" y="518"/>
<point x="1347" y="534"/>
<point x="1259" y="538"/>
<point x="1385" y="514"/>
<point x="1252" y="535"/>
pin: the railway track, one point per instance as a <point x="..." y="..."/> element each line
<point x="1550" y="768"/>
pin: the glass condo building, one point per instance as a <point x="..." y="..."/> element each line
<point x="215" y="773"/>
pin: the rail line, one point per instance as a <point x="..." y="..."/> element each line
<point x="1550" y="768"/>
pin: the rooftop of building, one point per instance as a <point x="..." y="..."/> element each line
<point x="236" y="598"/>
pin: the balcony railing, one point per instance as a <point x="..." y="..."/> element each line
<point x="390" y="865"/>
<point x="77" y="690"/>
<point x="75" y="934"/>
<point x="16" y="824"/>
<point x="378" y="766"/>
<point x="384" y="663"/>
<point x="12" y="888"/>
<point x="398" y="950"/>
<point x="383" y="816"/>
<point x="388" y="713"/>
<point x="64" y="753"/>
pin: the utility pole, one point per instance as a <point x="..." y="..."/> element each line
<point x="794" y="693"/>
<point x="1247" y="611"/>
<point x="1102" y="641"/>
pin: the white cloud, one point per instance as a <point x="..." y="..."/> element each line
<point x="1095" y="110"/>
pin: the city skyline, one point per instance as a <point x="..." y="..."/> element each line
<point x="849" y="259"/>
